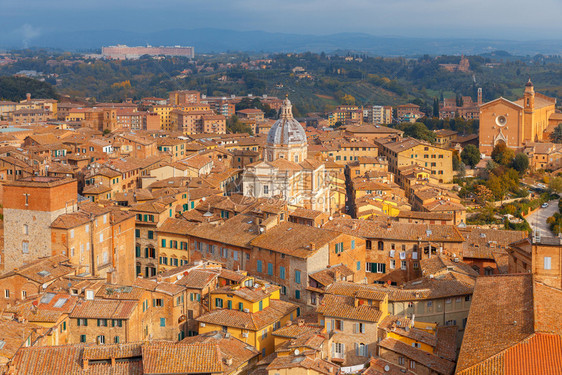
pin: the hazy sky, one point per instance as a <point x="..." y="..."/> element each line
<point x="505" y="19"/>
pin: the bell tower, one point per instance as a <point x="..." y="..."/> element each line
<point x="529" y="95"/>
<point x="529" y="127"/>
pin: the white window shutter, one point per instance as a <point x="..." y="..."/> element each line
<point x="356" y="349"/>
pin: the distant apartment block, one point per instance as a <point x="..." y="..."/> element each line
<point x="123" y="52"/>
<point x="379" y="114"/>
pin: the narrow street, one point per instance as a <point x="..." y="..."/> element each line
<point x="537" y="220"/>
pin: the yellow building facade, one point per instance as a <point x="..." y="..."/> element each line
<point x="249" y="311"/>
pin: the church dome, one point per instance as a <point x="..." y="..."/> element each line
<point x="286" y="130"/>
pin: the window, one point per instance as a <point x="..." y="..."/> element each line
<point x="102" y="322"/>
<point x="162" y="322"/>
<point x="359" y="328"/>
<point x="266" y="189"/>
<point x="416" y="345"/>
<point x="137" y="251"/>
<point x="297" y="276"/>
<point x="101" y="237"/>
<point x="380" y="245"/>
<point x="297" y="294"/>
<point x="229" y="304"/>
<point x="163" y="242"/>
<point x="282" y="273"/>
<point x="358" y="268"/>
<point x="352" y="244"/>
<point x="101" y="339"/>
<point x="361" y="350"/>
<point x="264" y="334"/>
<point x="270" y="269"/>
<point x="547" y="263"/>
<point x="339" y="247"/>
<point x="150" y="235"/>
<point x="116" y="340"/>
<point x="401" y="361"/>
<point x="338" y="349"/>
<point x="25" y="229"/>
<point x="259" y="266"/>
<point x="412" y="364"/>
<point x="25" y="247"/>
<point x="23" y="294"/>
<point x="429" y="304"/>
<point x="117" y="323"/>
<point x="376" y="267"/>
<point x="6" y="293"/>
<point x="218" y="302"/>
<point x="403" y="265"/>
<point x="82" y="338"/>
<point x="392" y="264"/>
<point x="260" y="305"/>
<point x="137" y="233"/>
<point x="158" y="302"/>
<point x="416" y="265"/>
<point x="82" y="322"/>
<point x="368" y="244"/>
<point x="241" y="306"/>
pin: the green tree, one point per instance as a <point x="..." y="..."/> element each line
<point x="502" y="154"/>
<point x="233" y="125"/>
<point x="417" y="130"/>
<point x="520" y="163"/>
<point x="435" y="107"/>
<point x="556" y="135"/>
<point x="456" y="162"/>
<point x="470" y="155"/>
<point x="555" y="185"/>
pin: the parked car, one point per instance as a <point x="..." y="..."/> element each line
<point x="544" y="205"/>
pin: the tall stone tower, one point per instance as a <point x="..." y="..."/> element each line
<point x="30" y="206"/>
<point x="529" y="130"/>
<point x="479" y="102"/>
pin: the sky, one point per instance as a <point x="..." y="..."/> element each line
<point x="489" y="19"/>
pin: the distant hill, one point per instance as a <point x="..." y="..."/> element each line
<point x="221" y="40"/>
<point x="16" y="88"/>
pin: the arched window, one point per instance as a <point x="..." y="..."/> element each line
<point x="361" y="350"/>
<point x="380" y="245"/>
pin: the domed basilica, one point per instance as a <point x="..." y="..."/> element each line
<point x="286" y="172"/>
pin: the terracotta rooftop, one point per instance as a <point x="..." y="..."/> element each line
<point x="344" y="307"/>
<point x="250" y="321"/>
<point x="231" y="348"/>
<point x="294" y="239"/>
<point x="439" y="365"/>
<point x="199" y="358"/>
<point x="396" y="231"/>
<point x="104" y="309"/>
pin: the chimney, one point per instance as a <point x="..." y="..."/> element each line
<point x="312" y="246"/>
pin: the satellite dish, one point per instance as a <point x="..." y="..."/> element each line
<point x="297" y="352"/>
<point x="386" y="368"/>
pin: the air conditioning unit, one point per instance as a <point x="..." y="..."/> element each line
<point x="245" y="334"/>
<point x="246" y="310"/>
<point x="202" y="324"/>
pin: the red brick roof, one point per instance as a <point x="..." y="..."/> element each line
<point x="182" y="359"/>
